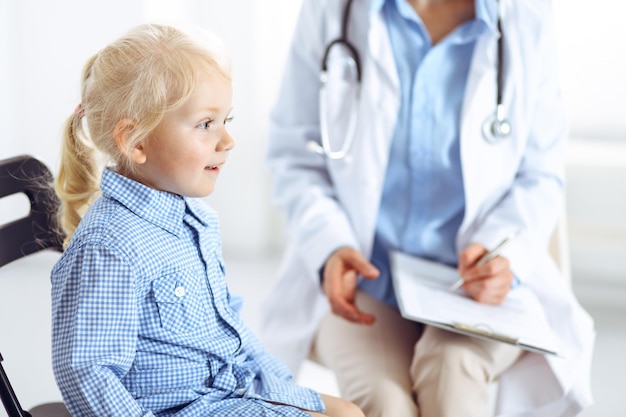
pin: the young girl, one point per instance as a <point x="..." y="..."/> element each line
<point x="143" y="322"/>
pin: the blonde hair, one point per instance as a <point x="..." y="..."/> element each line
<point x="141" y="76"/>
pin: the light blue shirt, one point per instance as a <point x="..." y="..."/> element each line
<point x="143" y="323"/>
<point x="423" y="201"/>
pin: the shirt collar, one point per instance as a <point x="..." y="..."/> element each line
<point x="486" y="10"/>
<point x="376" y="5"/>
<point x="163" y="209"/>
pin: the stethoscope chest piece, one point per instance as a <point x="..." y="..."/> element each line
<point x="496" y="127"/>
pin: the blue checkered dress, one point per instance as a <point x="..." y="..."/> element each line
<point x="144" y="324"/>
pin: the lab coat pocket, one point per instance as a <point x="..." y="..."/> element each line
<point x="178" y="302"/>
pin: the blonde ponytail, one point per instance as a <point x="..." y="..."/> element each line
<point x="78" y="178"/>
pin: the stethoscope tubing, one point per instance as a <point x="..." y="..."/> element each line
<point x="495" y="128"/>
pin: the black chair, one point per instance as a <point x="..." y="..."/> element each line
<point x="22" y="237"/>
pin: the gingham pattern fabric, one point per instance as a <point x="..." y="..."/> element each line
<point x="144" y="324"/>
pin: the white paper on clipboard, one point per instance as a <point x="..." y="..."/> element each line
<point x="422" y="291"/>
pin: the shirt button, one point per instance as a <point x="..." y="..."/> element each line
<point x="179" y="291"/>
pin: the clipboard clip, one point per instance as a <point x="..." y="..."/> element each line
<point x="484" y="330"/>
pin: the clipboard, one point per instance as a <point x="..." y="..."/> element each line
<point x="422" y="291"/>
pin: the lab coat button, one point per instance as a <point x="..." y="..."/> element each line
<point x="179" y="291"/>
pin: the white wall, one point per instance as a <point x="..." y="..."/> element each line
<point x="591" y="49"/>
<point x="6" y="146"/>
<point x="591" y="52"/>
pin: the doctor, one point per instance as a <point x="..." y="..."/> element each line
<point x="439" y="130"/>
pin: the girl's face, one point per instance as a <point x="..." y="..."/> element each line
<point x="187" y="150"/>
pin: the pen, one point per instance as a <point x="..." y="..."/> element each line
<point x="487" y="257"/>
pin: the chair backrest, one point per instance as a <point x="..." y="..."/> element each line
<point x="19" y="238"/>
<point x="38" y="230"/>
<point x="9" y="399"/>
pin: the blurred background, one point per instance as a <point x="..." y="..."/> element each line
<point x="43" y="46"/>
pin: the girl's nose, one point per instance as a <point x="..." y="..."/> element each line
<point x="226" y="142"/>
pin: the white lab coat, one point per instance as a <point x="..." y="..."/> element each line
<point x="516" y="183"/>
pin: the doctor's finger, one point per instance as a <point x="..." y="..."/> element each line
<point x="343" y="305"/>
<point x="491" y="289"/>
<point x="342" y="299"/>
<point x="470" y="255"/>
<point x="496" y="266"/>
<point x="356" y="260"/>
<point x="494" y="292"/>
<point x="351" y="312"/>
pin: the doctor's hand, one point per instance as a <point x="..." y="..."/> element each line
<point x="339" y="282"/>
<point x="488" y="283"/>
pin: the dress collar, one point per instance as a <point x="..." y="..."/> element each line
<point x="161" y="208"/>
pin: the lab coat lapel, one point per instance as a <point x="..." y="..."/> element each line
<point x="479" y="103"/>
<point x="381" y="51"/>
<point x="381" y="98"/>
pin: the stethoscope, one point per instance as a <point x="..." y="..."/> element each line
<point x="495" y="128"/>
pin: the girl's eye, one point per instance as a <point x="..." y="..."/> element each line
<point x="205" y="125"/>
<point x="229" y="119"/>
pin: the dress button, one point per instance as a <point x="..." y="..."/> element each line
<point x="179" y="291"/>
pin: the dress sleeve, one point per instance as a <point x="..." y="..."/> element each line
<point x="94" y="331"/>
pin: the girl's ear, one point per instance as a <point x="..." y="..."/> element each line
<point x="122" y="131"/>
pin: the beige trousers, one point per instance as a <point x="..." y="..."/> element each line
<point x="400" y="368"/>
